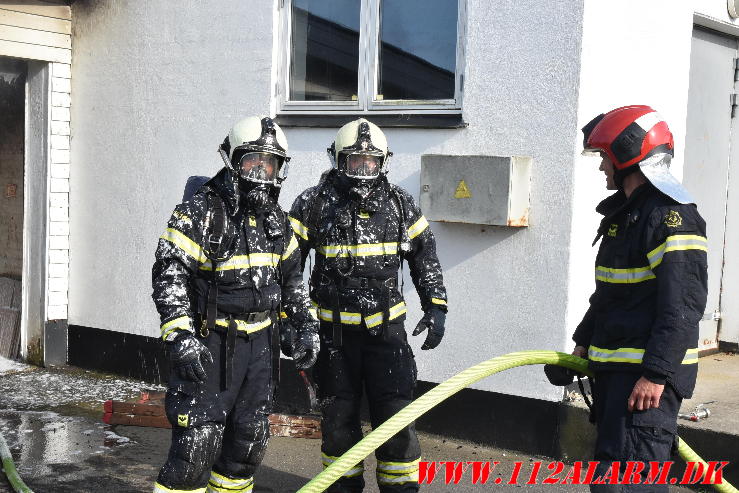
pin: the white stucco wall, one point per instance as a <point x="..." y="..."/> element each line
<point x="626" y="59"/>
<point x="157" y="88"/>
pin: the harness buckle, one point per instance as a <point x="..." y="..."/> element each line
<point x="204" y="332"/>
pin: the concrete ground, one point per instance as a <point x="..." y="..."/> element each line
<point x="51" y="421"/>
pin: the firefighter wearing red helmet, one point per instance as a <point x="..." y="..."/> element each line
<point x="640" y="332"/>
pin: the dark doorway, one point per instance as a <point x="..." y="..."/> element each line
<point x="13" y="74"/>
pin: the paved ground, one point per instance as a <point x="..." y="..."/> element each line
<point x="51" y="421"/>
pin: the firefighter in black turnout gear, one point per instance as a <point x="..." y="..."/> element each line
<point x="362" y="227"/>
<point x="226" y="267"/>
<point x="641" y="330"/>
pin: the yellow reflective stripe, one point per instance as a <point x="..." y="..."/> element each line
<point x="383" y="478"/>
<point x="362" y="250"/>
<point x="221" y="484"/>
<point x="676" y="243"/>
<point x="691" y="357"/>
<point x="357" y="470"/>
<point x="376" y="319"/>
<point x="182" y="217"/>
<point x="418" y="227"/>
<point x="351" y="318"/>
<point x="283" y="314"/>
<point x="245" y="327"/>
<point x="299" y="228"/>
<point x="290" y="247"/>
<point x="345" y="317"/>
<point x="398" y="467"/>
<point x="174" y="324"/>
<point x="620" y="355"/>
<point x="623" y="276"/>
<point x="244" y="262"/>
<point x="631" y="355"/>
<point x="438" y="301"/>
<point x="180" y="240"/>
<point x="212" y="488"/>
<point x="158" y="488"/>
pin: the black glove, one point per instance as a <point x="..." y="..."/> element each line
<point x="188" y="354"/>
<point x="559" y="375"/>
<point x="287" y="338"/>
<point x="433" y="320"/>
<point x="307" y="344"/>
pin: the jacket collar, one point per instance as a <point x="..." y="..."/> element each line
<point x="223" y="185"/>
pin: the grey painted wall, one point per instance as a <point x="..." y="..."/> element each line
<point x="155" y="90"/>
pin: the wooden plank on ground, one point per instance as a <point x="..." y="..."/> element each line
<point x="35" y="52"/>
<point x="149" y="411"/>
<point x="56" y="10"/>
<point x="35" y="37"/>
<point x="134" y="408"/>
<point x="133" y="420"/>
<point x="30" y="21"/>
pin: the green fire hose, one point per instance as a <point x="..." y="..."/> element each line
<point x="9" y="467"/>
<point x="445" y="390"/>
<point x="408" y="414"/>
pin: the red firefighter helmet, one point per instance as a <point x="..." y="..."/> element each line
<point x="628" y="135"/>
<point x="636" y="138"/>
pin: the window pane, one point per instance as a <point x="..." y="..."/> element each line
<point x="324" y="56"/>
<point x="418" y="54"/>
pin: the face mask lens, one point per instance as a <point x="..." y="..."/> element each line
<point x="362" y="165"/>
<point x="260" y="167"/>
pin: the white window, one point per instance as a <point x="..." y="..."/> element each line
<point x="371" y="56"/>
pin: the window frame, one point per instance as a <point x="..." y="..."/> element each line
<point x="367" y="70"/>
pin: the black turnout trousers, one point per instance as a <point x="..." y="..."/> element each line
<point x="383" y="366"/>
<point x="631" y="436"/>
<point x="225" y="431"/>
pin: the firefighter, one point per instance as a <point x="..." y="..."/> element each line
<point x="362" y="227"/>
<point x="640" y="332"/>
<point x="226" y="266"/>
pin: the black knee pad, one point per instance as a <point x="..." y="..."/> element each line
<point x="244" y="450"/>
<point x="191" y="456"/>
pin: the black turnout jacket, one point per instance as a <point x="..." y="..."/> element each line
<point x="651" y="287"/>
<point x="259" y="271"/>
<point x="360" y="245"/>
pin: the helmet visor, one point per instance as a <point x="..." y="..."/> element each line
<point x="363" y="165"/>
<point x="259" y="167"/>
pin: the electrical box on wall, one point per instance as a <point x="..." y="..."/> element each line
<point x="490" y="190"/>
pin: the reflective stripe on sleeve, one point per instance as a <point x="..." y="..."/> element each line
<point x="299" y="228"/>
<point x="676" y="243"/>
<point x="357" y="470"/>
<point x="221" y="484"/>
<point x="363" y="250"/>
<point x="418" y="227"/>
<point x="438" y="301"/>
<point x="631" y="355"/>
<point x="290" y="247"/>
<point x="181" y="241"/>
<point x="181" y="323"/>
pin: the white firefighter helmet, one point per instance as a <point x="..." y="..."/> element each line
<point x="360" y="150"/>
<point x="256" y="151"/>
